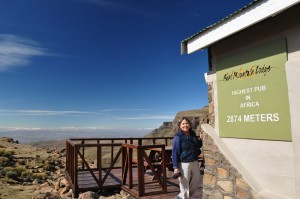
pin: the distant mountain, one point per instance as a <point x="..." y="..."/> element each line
<point x="168" y="129"/>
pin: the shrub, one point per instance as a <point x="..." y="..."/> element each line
<point x="49" y="167"/>
<point x="7" y="169"/>
<point x="39" y="176"/>
<point x="4" y="161"/>
<point x="22" y="162"/>
<point x="2" y="172"/>
<point x="12" y="174"/>
<point x="19" y="170"/>
<point x="4" y="153"/>
<point x="6" y="158"/>
<point x="26" y="175"/>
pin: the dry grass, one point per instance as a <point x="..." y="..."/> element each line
<point x="10" y="189"/>
<point x="16" y="191"/>
<point x="49" y="144"/>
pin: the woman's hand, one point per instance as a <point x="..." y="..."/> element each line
<point x="176" y="174"/>
<point x="201" y="135"/>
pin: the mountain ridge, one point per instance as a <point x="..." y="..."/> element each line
<point x="168" y="129"/>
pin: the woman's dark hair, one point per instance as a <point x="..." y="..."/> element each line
<point x="183" y="118"/>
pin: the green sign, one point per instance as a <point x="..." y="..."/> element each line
<point x="252" y="94"/>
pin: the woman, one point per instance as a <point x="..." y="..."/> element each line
<point x="185" y="152"/>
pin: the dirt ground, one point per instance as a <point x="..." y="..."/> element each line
<point x="16" y="191"/>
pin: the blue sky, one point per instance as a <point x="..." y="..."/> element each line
<point x="101" y="64"/>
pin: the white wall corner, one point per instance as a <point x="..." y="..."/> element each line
<point x="293" y="74"/>
<point x="209" y="77"/>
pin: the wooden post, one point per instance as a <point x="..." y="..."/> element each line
<point x="82" y="166"/>
<point x="130" y="167"/>
<point x="140" y="160"/>
<point x="112" y="151"/>
<point x="72" y="163"/>
<point x="99" y="162"/>
<point x="68" y="157"/>
<point x="124" y="165"/>
<point x="75" y="171"/>
<point x="164" y="169"/>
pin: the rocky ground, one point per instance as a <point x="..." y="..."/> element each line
<point x="37" y="173"/>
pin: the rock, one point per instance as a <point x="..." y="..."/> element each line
<point x="64" y="190"/>
<point x="45" y="184"/>
<point x="46" y="189"/>
<point x="36" y="182"/>
<point x="56" y="185"/>
<point x="88" y="195"/>
<point x="50" y="195"/>
<point x="69" y="194"/>
<point x="64" y="182"/>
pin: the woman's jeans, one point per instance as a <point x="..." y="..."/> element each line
<point x="189" y="180"/>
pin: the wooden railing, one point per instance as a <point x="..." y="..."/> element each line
<point x="81" y="154"/>
<point x="142" y="159"/>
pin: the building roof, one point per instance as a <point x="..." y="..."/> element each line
<point x="256" y="11"/>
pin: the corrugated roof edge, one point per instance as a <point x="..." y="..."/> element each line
<point x="209" y="27"/>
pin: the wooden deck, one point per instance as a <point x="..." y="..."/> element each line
<point x="135" y="180"/>
<point x="152" y="188"/>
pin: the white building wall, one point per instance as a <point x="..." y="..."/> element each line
<point x="293" y="79"/>
<point x="272" y="168"/>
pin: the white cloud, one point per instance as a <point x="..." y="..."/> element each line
<point x="72" y="128"/>
<point x="122" y="109"/>
<point x="110" y="4"/>
<point x="84" y="128"/>
<point x="29" y="112"/>
<point x="146" y="117"/>
<point x="42" y="112"/>
<point x="17" y="51"/>
<point x="19" y="129"/>
<point x="107" y="3"/>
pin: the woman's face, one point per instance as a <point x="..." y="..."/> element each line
<point x="185" y="126"/>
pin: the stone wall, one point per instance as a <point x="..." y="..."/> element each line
<point x="211" y="105"/>
<point x="221" y="180"/>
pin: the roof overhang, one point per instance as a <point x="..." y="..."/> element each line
<point x="238" y="21"/>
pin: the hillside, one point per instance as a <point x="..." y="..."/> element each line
<point x="24" y="168"/>
<point x="168" y="129"/>
<point x="28" y="172"/>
